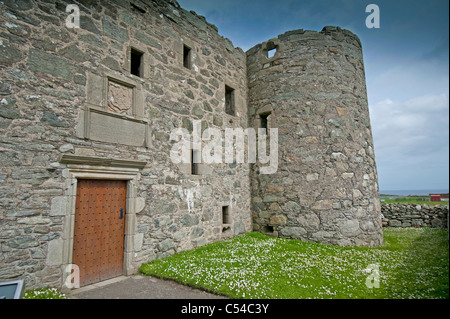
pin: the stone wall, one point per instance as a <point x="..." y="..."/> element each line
<point x="60" y="121"/>
<point x="314" y="90"/>
<point x="409" y="215"/>
<point x="76" y="104"/>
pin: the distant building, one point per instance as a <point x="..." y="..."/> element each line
<point x="435" y="198"/>
<point x="439" y="197"/>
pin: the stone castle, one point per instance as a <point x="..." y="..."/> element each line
<point x="85" y="121"/>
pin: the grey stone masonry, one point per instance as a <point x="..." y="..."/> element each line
<point x="408" y="215"/>
<point x="313" y="90"/>
<point x="70" y="108"/>
<point x="101" y="102"/>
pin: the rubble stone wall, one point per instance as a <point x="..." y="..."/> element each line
<point x="326" y="187"/>
<point x="74" y="106"/>
<point x="408" y="215"/>
<point x="61" y="91"/>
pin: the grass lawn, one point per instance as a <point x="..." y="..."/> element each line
<point x="421" y="200"/>
<point x="412" y="263"/>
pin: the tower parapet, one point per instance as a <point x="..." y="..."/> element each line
<point x="311" y="86"/>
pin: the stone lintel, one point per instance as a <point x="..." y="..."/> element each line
<point x="100" y="161"/>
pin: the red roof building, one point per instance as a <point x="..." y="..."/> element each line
<point x="435" y="198"/>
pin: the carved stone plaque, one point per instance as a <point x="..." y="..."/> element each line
<point x="120" y="98"/>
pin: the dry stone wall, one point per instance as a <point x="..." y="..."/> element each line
<point x="399" y="215"/>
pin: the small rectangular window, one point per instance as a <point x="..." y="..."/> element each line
<point x="268" y="230"/>
<point x="272" y="49"/>
<point x="226" y="218"/>
<point x="195" y="160"/>
<point x="136" y="62"/>
<point x="265" y="122"/>
<point x="271" y="53"/>
<point x="229" y="101"/>
<point x="186" y="57"/>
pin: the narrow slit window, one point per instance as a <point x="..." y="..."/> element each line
<point x="226" y="218"/>
<point x="229" y="101"/>
<point x="186" y="57"/>
<point x="136" y="62"/>
<point x="265" y="122"/>
<point x="194" y="162"/>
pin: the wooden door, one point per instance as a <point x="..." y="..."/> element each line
<point x="98" y="243"/>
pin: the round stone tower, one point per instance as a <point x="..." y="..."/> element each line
<point x="311" y="87"/>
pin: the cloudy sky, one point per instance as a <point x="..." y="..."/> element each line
<point x="407" y="71"/>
